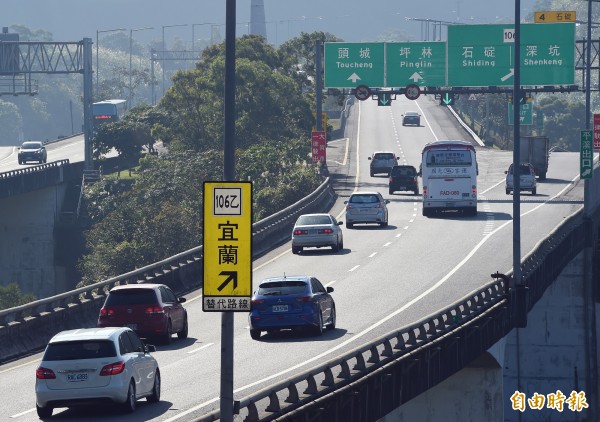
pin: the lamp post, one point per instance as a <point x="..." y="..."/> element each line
<point x="163" y="51"/>
<point x="97" y="68"/>
<point x="194" y="25"/>
<point x="131" y="31"/>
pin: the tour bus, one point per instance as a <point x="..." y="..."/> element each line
<point x="108" y="111"/>
<point x="449" y="172"/>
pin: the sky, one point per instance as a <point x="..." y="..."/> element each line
<point x="351" y="20"/>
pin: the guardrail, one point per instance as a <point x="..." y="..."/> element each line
<point x="32" y="169"/>
<point x="27" y="328"/>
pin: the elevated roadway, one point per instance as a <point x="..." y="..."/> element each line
<point x="384" y="278"/>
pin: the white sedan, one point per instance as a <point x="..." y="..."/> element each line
<point x="96" y="365"/>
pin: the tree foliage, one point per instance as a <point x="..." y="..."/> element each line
<point x="11" y="296"/>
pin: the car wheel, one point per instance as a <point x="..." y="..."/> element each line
<point x="508" y="191"/>
<point x="155" y="396"/>
<point x="342" y="244"/>
<point x="295" y="250"/>
<point x="391" y="191"/>
<point x="129" y="405"/>
<point x="331" y="325"/>
<point x="336" y="247"/>
<point x="254" y="333"/>
<point x="183" y="334"/>
<point x="372" y="174"/>
<point x="319" y="327"/>
<point x="416" y="191"/>
<point x="426" y="212"/>
<point x="349" y="225"/>
<point x="20" y="162"/>
<point x="44" y="412"/>
<point x="166" y="339"/>
<point x="534" y="191"/>
<point x="384" y="224"/>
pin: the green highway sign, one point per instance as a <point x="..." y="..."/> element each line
<point x="483" y="55"/>
<point x="348" y="65"/>
<point x="586" y="154"/>
<point x="419" y="63"/>
<point x="525" y="114"/>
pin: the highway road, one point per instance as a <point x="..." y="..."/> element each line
<point x="383" y="279"/>
<point x="71" y="148"/>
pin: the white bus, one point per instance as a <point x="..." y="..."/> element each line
<point x="449" y="172"/>
<point x="108" y="111"/>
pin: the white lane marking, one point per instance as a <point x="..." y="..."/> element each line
<point x="353" y="268"/>
<point x="200" y="348"/>
<point x="399" y="234"/>
<point x="20" y="366"/>
<point x="18" y="415"/>
<point x="405" y="227"/>
<point x="330" y="283"/>
<point x="426" y="121"/>
<point x="373" y="254"/>
<point x="387" y="244"/>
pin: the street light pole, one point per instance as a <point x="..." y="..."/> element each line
<point x="194" y="25"/>
<point x="163" y="52"/>
<point x="97" y="68"/>
<point x="130" y="49"/>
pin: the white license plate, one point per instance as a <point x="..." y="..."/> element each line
<point x="82" y="376"/>
<point x="280" y="308"/>
<point x="132" y="326"/>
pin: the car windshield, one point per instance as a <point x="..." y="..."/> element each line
<point x="411" y="114"/>
<point x="384" y="156"/>
<point x="282" y="287"/>
<point x="84" y="349"/>
<point x="364" y="199"/>
<point x="31" y="145"/>
<point x="132" y="297"/>
<point x="309" y="220"/>
<point x="403" y="171"/>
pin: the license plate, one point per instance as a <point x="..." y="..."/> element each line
<point x="82" y="376"/>
<point x="280" y="308"/>
<point x="402" y="188"/>
<point x="365" y="210"/>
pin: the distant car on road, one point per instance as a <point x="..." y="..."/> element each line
<point x="527" y="180"/>
<point x="403" y="178"/>
<point x="96" y="365"/>
<point x="382" y="162"/>
<point x="295" y="302"/>
<point x="411" y="118"/>
<point x="32" y="151"/>
<point x="366" y="207"/>
<point x="317" y="230"/>
<point x="151" y="310"/>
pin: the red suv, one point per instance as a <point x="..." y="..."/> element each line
<point x="151" y="310"/>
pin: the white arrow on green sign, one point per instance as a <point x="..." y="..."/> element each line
<point x="418" y="63"/>
<point x="348" y="65"/>
<point x="483" y="55"/>
<point x="525" y="114"/>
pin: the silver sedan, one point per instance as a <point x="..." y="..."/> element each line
<point x="317" y="230"/>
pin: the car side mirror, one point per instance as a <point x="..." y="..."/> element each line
<point x="149" y="348"/>
<point x="329" y="289"/>
<point x="387" y="201"/>
<point x="369" y="158"/>
<point x="505" y="171"/>
<point x="339" y="223"/>
<point x="345" y="202"/>
<point x="181" y="299"/>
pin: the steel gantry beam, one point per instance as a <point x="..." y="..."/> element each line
<point x="19" y="60"/>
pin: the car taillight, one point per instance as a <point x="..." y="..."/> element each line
<point x="304" y="299"/>
<point x="299" y="232"/>
<point x="424" y="191"/>
<point x="378" y="206"/>
<point x="474" y="191"/>
<point x="107" y="312"/>
<point x="155" y="310"/>
<point x="258" y="301"/>
<point x="325" y="231"/>
<point x="44" y="373"/>
<point x="112" y="369"/>
<point x="415" y="179"/>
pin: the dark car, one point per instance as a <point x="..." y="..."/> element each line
<point x="151" y="310"/>
<point x="296" y="302"/>
<point x="382" y="162"/>
<point x="32" y="151"/>
<point x="411" y="118"/>
<point x="404" y="178"/>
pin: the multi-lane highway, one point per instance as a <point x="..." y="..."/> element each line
<point x="71" y="148"/>
<point x="383" y="279"/>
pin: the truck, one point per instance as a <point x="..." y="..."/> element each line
<point x="535" y="150"/>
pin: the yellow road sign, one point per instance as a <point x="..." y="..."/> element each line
<point x="554" y="17"/>
<point x="227" y="247"/>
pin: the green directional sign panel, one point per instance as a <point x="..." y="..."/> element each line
<point x="586" y="154"/>
<point x="525" y="114"/>
<point x="348" y="65"/>
<point x="418" y="63"/>
<point x="483" y="55"/>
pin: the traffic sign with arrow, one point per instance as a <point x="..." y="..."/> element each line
<point x="447" y="99"/>
<point x="384" y="99"/>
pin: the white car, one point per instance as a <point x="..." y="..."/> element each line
<point x="527" y="180"/>
<point x="366" y="207"/>
<point x="96" y="365"/>
<point x="317" y="230"/>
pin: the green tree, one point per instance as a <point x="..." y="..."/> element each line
<point x="11" y="296"/>
<point x="10" y="123"/>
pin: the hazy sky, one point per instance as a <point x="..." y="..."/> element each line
<point x="351" y="20"/>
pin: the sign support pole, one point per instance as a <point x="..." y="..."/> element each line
<point x="226" y="395"/>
